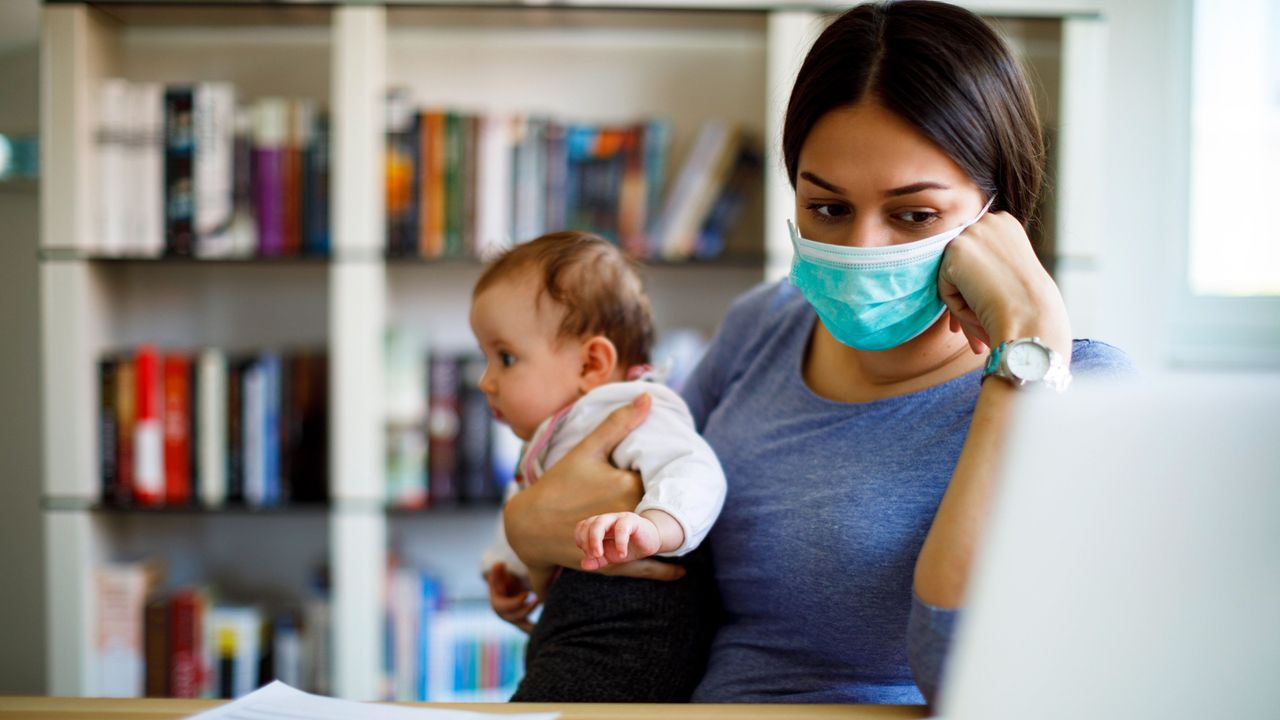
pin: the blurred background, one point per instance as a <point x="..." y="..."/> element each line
<point x="250" y="229"/>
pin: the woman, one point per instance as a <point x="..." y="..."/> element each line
<point x="857" y="409"/>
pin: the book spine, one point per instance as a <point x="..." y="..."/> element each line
<point x="270" y="131"/>
<point x="126" y="419"/>
<point x="316" y="201"/>
<point x="633" y="196"/>
<point x="177" y="423"/>
<point x="298" y="131"/>
<point x="398" y="170"/>
<point x="193" y="430"/>
<point x="254" y="427"/>
<point x="121" y="592"/>
<point x="179" y="131"/>
<point x="156" y="628"/>
<point x="454" y="123"/>
<point x="111" y="147"/>
<point x="493" y="186"/>
<point x="436" y="164"/>
<point x="468" y="183"/>
<point x="186" y="677"/>
<point x="212" y="423"/>
<point x="475" y="441"/>
<point x="108" y="431"/>
<point x="551" y="181"/>
<point x="235" y="431"/>
<point x="148" y="454"/>
<point x="271" y="429"/>
<point x="244" y="230"/>
<point x="147" y="201"/>
<point x="443" y="426"/>
<point x="214" y="171"/>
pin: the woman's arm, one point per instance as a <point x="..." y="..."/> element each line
<point x="541" y="519"/>
<point x="996" y="290"/>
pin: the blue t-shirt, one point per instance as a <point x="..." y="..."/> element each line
<point x="828" y="506"/>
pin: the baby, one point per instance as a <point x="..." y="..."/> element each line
<point x="565" y="328"/>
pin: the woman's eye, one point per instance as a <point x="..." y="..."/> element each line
<point x="506" y="359"/>
<point x="828" y="211"/>
<point x="917" y="218"/>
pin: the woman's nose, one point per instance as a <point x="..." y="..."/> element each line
<point x="868" y="231"/>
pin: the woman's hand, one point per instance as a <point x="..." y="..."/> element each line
<point x="996" y="289"/>
<point x="510" y="597"/>
<point x="540" y="520"/>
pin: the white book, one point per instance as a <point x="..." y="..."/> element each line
<point x="120" y="652"/>
<point x="147" y="234"/>
<point x="286" y="651"/>
<point x="212" y="427"/>
<point x="494" y="185"/>
<point x="406" y="615"/>
<point x="255" y="427"/>
<point x="212" y="167"/>
<point x="114" y="181"/>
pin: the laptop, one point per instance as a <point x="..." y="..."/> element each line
<point x="1131" y="568"/>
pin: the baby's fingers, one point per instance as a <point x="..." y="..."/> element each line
<point x="600" y="526"/>
<point x="623" y="529"/>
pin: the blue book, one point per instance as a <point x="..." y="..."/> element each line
<point x="315" y="190"/>
<point x="270" y="364"/>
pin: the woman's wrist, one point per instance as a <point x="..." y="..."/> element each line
<point x="1046" y="319"/>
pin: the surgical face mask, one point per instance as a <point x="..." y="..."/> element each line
<point x="873" y="298"/>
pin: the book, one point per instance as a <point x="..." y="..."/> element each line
<point x="237" y="632"/>
<point x="493" y="185"/>
<point x="401" y="171"/>
<point x="723" y="217"/>
<point x="315" y="182"/>
<point x="186" y="643"/>
<point x="433" y="200"/>
<point x="179" y="167"/>
<point x="695" y="190"/>
<point x="109" y="432"/>
<point x="297" y="137"/>
<point x="147" y="169"/>
<point x="271" y="130"/>
<point x="443" y="426"/>
<point x="121" y="592"/>
<point x="212" y="391"/>
<point x="475" y="441"/>
<point x="112" y="148"/>
<point x="148" y="431"/>
<point x="126" y="419"/>
<point x="176" y="414"/>
<point x="156" y="640"/>
<point x="213" y="172"/>
<point x="254" y="431"/>
<point x="236" y="371"/>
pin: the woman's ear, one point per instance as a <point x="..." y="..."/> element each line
<point x="599" y="360"/>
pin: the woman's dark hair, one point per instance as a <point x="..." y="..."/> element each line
<point x="944" y="71"/>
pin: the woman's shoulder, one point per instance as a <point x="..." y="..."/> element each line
<point x="1096" y="358"/>
<point x="765" y="305"/>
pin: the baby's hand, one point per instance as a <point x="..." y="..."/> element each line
<point x="616" y="538"/>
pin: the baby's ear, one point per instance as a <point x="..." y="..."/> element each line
<point x="599" y="360"/>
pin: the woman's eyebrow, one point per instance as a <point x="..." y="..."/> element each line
<point x="915" y="188"/>
<point x="830" y="187"/>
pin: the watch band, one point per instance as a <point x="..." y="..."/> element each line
<point x="1057" y="377"/>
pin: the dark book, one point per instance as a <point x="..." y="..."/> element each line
<point x="156" y="647"/>
<point x="475" y="440"/>
<point x="126" y="416"/>
<point x="443" y="425"/>
<point x="291" y="185"/>
<point x="555" y="177"/>
<point x="235" y="428"/>
<point x="308" y="447"/>
<point x="454" y="211"/>
<point x="467" y="183"/>
<point x="179" y="167"/>
<point x="315" y="181"/>
<point x="727" y="210"/>
<point x="400" y="172"/>
<point x="108" y="432"/>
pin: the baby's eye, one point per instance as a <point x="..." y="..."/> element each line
<point x="828" y="211"/>
<point x="917" y="218"/>
<point x="506" y="359"/>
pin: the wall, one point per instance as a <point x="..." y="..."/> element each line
<point x="22" y="618"/>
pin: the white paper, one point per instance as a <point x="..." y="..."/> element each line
<point x="278" y="701"/>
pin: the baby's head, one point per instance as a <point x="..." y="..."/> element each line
<point x="557" y="317"/>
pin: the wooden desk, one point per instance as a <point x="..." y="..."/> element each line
<point x="41" y="708"/>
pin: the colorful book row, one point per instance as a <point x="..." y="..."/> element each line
<point x="459" y="184"/>
<point x="183" y="171"/>
<point x="181" y="643"/>
<point x="180" y="429"/>
<point x="442" y="652"/>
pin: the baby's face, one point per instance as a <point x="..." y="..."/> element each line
<point x="529" y="374"/>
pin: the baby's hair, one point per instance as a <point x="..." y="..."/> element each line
<point x="594" y="284"/>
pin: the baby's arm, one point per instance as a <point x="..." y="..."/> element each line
<point x="623" y="537"/>
<point x="684" y="484"/>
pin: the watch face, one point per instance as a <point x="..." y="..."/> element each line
<point x="1028" y="361"/>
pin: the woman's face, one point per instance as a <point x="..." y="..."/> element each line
<point x="866" y="178"/>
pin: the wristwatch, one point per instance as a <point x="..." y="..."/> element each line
<point x="1028" y="361"/>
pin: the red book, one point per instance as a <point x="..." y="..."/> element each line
<point x="148" y="434"/>
<point x="177" y="429"/>
<point x="186" y="672"/>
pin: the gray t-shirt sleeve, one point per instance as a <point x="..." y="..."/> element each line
<point x="929" y="628"/>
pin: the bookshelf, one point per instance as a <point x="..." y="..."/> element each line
<point x="610" y="61"/>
